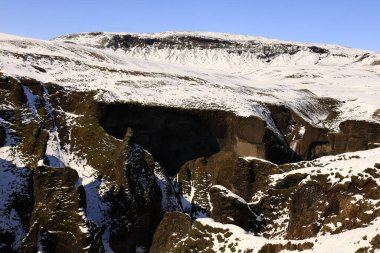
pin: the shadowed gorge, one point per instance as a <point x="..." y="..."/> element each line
<point x="173" y="137"/>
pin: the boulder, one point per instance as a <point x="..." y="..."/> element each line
<point x="174" y="227"/>
<point x="57" y="198"/>
<point x="229" y="208"/>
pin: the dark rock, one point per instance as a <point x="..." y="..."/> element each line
<point x="263" y="51"/>
<point x="312" y="142"/>
<point x="354" y="136"/>
<point x="190" y="134"/>
<point x="136" y="206"/>
<point x="6" y="241"/>
<point x="318" y="50"/>
<point x="56" y="198"/>
<point x="243" y="177"/>
<point x="40" y="69"/>
<point x="184" y="136"/>
<point x="290" y="246"/>
<point x="174" y="227"/>
<point x="16" y="194"/>
<point x="2" y="136"/>
<point x="229" y="208"/>
<point x="301" y="212"/>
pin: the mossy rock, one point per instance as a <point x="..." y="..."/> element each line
<point x="174" y="227"/>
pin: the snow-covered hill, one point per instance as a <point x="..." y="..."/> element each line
<point x="203" y="70"/>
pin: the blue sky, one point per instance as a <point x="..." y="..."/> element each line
<point x="354" y="23"/>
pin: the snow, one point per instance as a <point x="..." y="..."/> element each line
<point x="91" y="40"/>
<point x="14" y="181"/>
<point x="169" y="201"/>
<point x="347" y="165"/>
<point x="252" y="158"/>
<point x="203" y="78"/>
<point x="31" y="98"/>
<point x="345" y="242"/>
<point x="229" y="194"/>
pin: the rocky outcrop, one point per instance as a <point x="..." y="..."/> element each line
<point x="201" y="238"/>
<point x="276" y="248"/>
<point x="263" y="51"/>
<point x="136" y="206"/>
<point x="229" y="208"/>
<point x="55" y="199"/>
<point x="355" y="136"/>
<point x="297" y="200"/>
<point x="49" y="126"/>
<point x="309" y="142"/>
<point x="112" y="193"/>
<point x="317" y="205"/>
<point x="312" y="142"/>
<point x="174" y="227"/>
<point x="16" y="205"/>
<point x="244" y="177"/>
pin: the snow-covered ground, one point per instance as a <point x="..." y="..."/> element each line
<point x="203" y="77"/>
<point x="345" y="242"/>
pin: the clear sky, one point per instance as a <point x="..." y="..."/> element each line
<point x="354" y="23"/>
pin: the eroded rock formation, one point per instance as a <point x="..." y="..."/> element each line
<point x="229" y="208"/>
<point x="79" y="160"/>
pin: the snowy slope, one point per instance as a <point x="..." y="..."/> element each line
<point x="203" y="77"/>
<point x="349" y="241"/>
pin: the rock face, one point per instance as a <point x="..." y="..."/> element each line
<point x="116" y="194"/>
<point x="110" y="200"/>
<point x="189" y="134"/>
<point x="355" y="136"/>
<point x="136" y="209"/>
<point x="311" y="142"/>
<point x="316" y="203"/>
<point x="16" y="184"/>
<point x="262" y="52"/>
<point x="55" y="199"/>
<point x="243" y="177"/>
<point x="174" y="227"/>
<point x="323" y="201"/>
<point x="229" y="208"/>
<point x="310" y="200"/>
